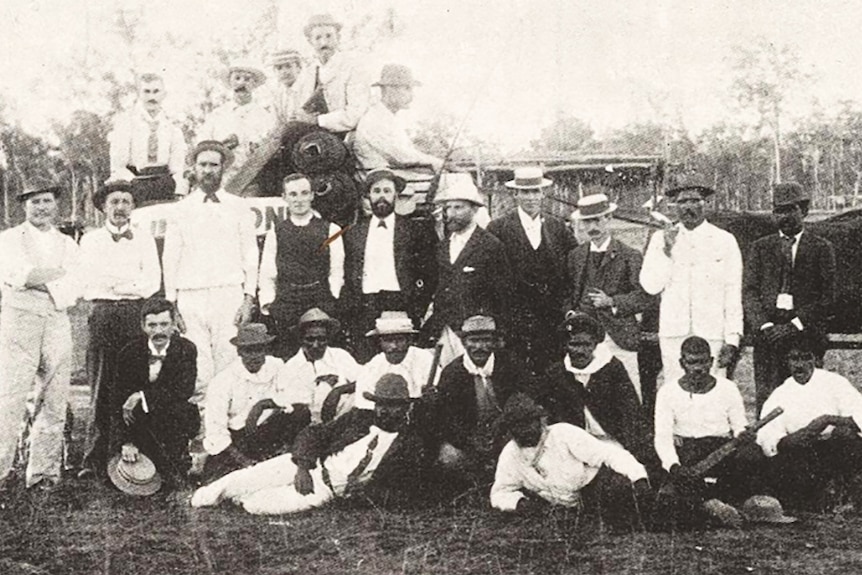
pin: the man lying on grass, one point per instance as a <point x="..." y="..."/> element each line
<point x="377" y="454"/>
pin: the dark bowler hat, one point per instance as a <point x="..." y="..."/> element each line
<point x="227" y="156"/>
<point x="788" y="194"/>
<point x="39" y="186"/>
<point x="579" y="322"/>
<point x="396" y="75"/>
<point x="251" y="334"/>
<point x="375" y="176"/>
<point x="690" y="183"/>
<point x="320" y="20"/>
<point x="110" y="187"/>
<point x="390" y="389"/>
<point x="520" y="407"/>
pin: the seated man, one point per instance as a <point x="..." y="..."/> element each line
<point x="817" y="436"/>
<point x="557" y="463"/>
<point x="471" y="395"/>
<point x="379" y="454"/>
<point x="155" y="380"/>
<point x="590" y="388"/>
<point x="236" y="399"/>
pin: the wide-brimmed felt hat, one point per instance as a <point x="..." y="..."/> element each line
<point x="391" y="388"/>
<point x="284" y="56"/>
<point x="458" y="186"/>
<point x="478" y="324"/>
<point x="375" y="176"/>
<point x="788" y="194"/>
<point x="529" y="178"/>
<point x="396" y="75"/>
<point x="139" y="478"/>
<point x="765" y="509"/>
<point x="579" y="322"/>
<point x="227" y="156"/>
<point x="690" y="182"/>
<point x="107" y="189"/>
<point x="320" y="20"/>
<point x="316" y="316"/>
<point x="251" y="334"/>
<point x="39" y="185"/>
<point x="520" y="407"/>
<point x="392" y="323"/>
<point x="249" y="67"/>
<point x="594" y="206"/>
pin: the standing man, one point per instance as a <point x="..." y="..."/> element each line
<point x="210" y="264"/>
<point x="145" y="138"/>
<point x="389" y="263"/>
<point x="697" y="269"/>
<point x="605" y="282"/>
<point x="536" y="246"/>
<point x="120" y="269"/>
<point x="38" y="273"/>
<point x="288" y="66"/>
<point x="788" y="288"/>
<point x="302" y="266"/>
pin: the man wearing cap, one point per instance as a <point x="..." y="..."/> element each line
<point x="210" y="263"/>
<point x="788" y="287"/>
<point x="302" y="265"/>
<point x="473" y="272"/>
<point x="154" y="382"/>
<point x="605" y="282"/>
<point x="288" y="66"/>
<point x="379" y="454"/>
<point x="119" y="270"/>
<point x="146" y="138"/>
<point x="317" y="369"/>
<point x="536" y="246"/>
<point x="39" y="281"/>
<point x="388" y="265"/>
<point x="336" y="89"/>
<point x="380" y="140"/>
<point x="697" y="269"/>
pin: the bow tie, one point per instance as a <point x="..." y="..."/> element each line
<point x="382" y="224"/>
<point x="154" y="358"/>
<point x="211" y="197"/>
<point x="126" y="234"/>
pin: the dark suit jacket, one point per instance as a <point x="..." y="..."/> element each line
<point x="414" y="245"/>
<point x="480" y="281"/>
<point x="619" y="277"/>
<point x="813" y="285"/>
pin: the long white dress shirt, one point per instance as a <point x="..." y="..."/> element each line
<point x="249" y="122"/>
<point x="532" y="227"/>
<point x="209" y="244"/>
<point x="378" y="273"/>
<point x="719" y="412"/>
<point x="125" y="269"/>
<point x="700" y="284"/>
<point x="346" y="88"/>
<point x="566" y="459"/>
<point x="826" y="393"/>
<point x="381" y="141"/>
<point x="297" y="381"/>
<point x="415" y="368"/>
<point x="231" y="395"/>
<point x="129" y="141"/>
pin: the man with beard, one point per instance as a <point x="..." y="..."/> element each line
<point x="389" y="261"/>
<point x="38" y="278"/>
<point x="536" y="246"/>
<point x="378" y="454"/>
<point x="605" y="283"/>
<point x="697" y="269"/>
<point x="210" y="264"/>
<point x="119" y="270"/>
<point x="287" y="65"/>
<point x="788" y="287"/>
<point x="302" y="265"/>
<point x="155" y="381"/>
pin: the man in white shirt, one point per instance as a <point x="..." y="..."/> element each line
<point x="38" y="278"/>
<point x="119" y="270"/>
<point x="697" y="269"/>
<point x="302" y="265"/>
<point x="287" y="64"/>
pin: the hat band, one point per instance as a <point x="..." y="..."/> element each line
<point x="131" y="479"/>
<point x="529" y="182"/>
<point x="593" y="209"/>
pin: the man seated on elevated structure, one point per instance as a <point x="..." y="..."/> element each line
<point x="287" y="64"/>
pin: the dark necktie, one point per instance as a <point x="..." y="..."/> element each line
<point x="787" y="263"/>
<point x="153" y="144"/>
<point x="353" y="478"/>
<point x="382" y="224"/>
<point x="124" y="235"/>
<point x="211" y="197"/>
<point x="155" y="358"/>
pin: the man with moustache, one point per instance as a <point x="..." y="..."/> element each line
<point x="38" y="279"/>
<point x="119" y="271"/>
<point x="536" y="246"/>
<point x="389" y="263"/>
<point x="287" y="64"/>
<point x="155" y="381"/>
<point x="302" y="265"/>
<point x="788" y="287"/>
<point x="697" y="269"/>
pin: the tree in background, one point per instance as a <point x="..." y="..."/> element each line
<point x="566" y="133"/>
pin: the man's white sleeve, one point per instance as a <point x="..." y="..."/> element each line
<point x="664" y="428"/>
<point x="595" y="453"/>
<point x="216" y="415"/>
<point x="656" y="269"/>
<point x="268" y="272"/>
<point x="336" y="262"/>
<point x="506" y="491"/>
<point x="732" y="293"/>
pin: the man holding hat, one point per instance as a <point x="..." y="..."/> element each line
<point x="388" y="264"/>
<point x="379" y="454"/>
<point x="536" y="246"/>
<point x="697" y="269"/>
<point x="605" y="282"/>
<point x="119" y="270"/>
<point x="380" y="140"/>
<point x="788" y="287"/>
<point x="39" y="281"/>
<point x="287" y="64"/>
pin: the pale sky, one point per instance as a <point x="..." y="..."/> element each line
<point x="516" y="62"/>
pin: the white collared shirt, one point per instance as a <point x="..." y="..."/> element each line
<point x="795" y="247"/>
<point x="415" y="368"/>
<point x="297" y="381"/>
<point x="458" y="240"/>
<point x="156" y="366"/>
<point x="382" y="142"/>
<point x="127" y="269"/>
<point x="341" y="464"/>
<point x="346" y="89"/>
<point x="532" y="227"/>
<point x="130" y="138"/>
<point x="251" y="123"/>
<point x="603" y="248"/>
<point x="378" y="272"/>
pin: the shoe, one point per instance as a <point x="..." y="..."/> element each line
<point x="726" y="515"/>
<point x="44" y="485"/>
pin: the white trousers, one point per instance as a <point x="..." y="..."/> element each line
<point x="35" y="356"/>
<point x="670" y="354"/>
<point x="629" y="360"/>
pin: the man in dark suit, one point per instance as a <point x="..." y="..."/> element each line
<point x="788" y="288"/>
<point x="605" y="283"/>
<point x="536" y="246"/>
<point x="388" y="265"/>
<point x="155" y="380"/>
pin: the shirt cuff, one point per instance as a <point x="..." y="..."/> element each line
<point x="767" y="325"/>
<point x="144" y="405"/>
<point x="798" y="323"/>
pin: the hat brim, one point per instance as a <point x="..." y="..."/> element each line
<point x="388" y="400"/>
<point x="512" y="185"/>
<point x="56" y="190"/>
<point x="704" y="191"/>
<point x="126" y="486"/>
<point x="400" y="183"/>
<point x="612" y="207"/>
<point x="332" y="324"/>
<point x="226" y="153"/>
<point x="258" y="75"/>
<point x="309" y="27"/>
<point x="413" y="84"/>
<point x="375" y="333"/>
<point x="235" y="341"/>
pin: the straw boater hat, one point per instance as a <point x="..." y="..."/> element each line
<point x="39" y="186"/>
<point x="478" y="324"/>
<point x="139" y="478"/>
<point x="390" y="389"/>
<point x="227" y="155"/>
<point x="396" y="75"/>
<point x="594" y="206"/>
<point x="765" y="509"/>
<point x="110" y="187"/>
<point x="317" y="316"/>
<point x="245" y="65"/>
<point x="251" y="335"/>
<point x="458" y="186"/>
<point x="788" y="194"/>
<point x="320" y="20"/>
<point x="375" y="176"/>
<point x="529" y="178"/>
<point x="392" y="323"/>
<point x="579" y="322"/>
<point x="284" y="56"/>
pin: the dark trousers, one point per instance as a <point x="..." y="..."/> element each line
<point x="737" y="477"/>
<point x="361" y="314"/>
<point x="534" y="336"/>
<point x="164" y="437"/>
<point x="289" y="305"/>
<point x="770" y="366"/>
<point x="112" y="324"/>
<point x="610" y="497"/>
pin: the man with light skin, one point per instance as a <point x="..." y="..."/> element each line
<point x="38" y="279"/>
<point x="288" y="66"/>
<point x="302" y="265"/>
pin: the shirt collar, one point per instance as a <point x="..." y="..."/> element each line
<point x="115" y="230"/>
<point x="36" y="230"/>
<point x="145" y="116"/>
<point x="601" y="358"/>
<point x="527" y="219"/>
<point x="602" y="248"/>
<point x="795" y="238"/>
<point x="485" y="371"/>
<point x="154" y="351"/>
<point x="302" y="220"/>
<point x="464" y="235"/>
<point x="390" y="220"/>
